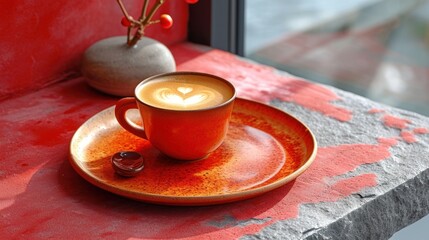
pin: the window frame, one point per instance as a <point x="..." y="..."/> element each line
<point x="219" y="24"/>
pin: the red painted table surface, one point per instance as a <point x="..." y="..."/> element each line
<point x="42" y="197"/>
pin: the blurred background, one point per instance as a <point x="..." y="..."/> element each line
<point x="375" y="48"/>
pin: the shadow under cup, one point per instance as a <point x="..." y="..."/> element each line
<point x="185" y="114"/>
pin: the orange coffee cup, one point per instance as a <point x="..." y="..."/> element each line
<point x="185" y="114"/>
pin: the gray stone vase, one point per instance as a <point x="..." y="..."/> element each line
<point x="113" y="67"/>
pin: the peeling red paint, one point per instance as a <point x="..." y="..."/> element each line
<point x="48" y="132"/>
<point x="395" y="122"/>
<point x="403" y="124"/>
<point x="348" y="186"/>
<point x="421" y="130"/>
<point x="375" y="110"/>
<point x="408" y="137"/>
<point x="252" y="82"/>
<point x="49" y="119"/>
<point x="388" y="141"/>
<point x="15" y="185"/>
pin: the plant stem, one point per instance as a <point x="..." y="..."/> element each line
<point x="136" y="37"/>
<point x="152" y="12"/>
<point x="128" y="34"/>
<point x="142" y="22"/>
<point x="143" y="13"/>
<point x="124" y="11"/>
<point x="128" y="16"/>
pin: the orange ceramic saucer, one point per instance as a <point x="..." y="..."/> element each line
<point x="265" y="148"/>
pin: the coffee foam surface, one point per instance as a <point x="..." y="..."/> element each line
<point x="187" y="92"/>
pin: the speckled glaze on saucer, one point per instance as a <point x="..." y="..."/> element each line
<point x="265" y="148"/>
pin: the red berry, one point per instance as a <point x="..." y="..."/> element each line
<point x="125" y="22"/>
<point x="166" y="21"/>
<point x="191" y="1"/>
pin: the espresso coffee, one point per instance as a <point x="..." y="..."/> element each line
<point x="185" y="92"/>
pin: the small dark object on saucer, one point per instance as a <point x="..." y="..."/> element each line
<point x="127" y="163"/>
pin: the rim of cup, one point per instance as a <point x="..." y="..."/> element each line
<point x="231" y="99"/>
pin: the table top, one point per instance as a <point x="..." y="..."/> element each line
<point x="369" y="178"/>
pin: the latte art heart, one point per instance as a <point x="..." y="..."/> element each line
<point x="185" y="90"/>
<point x="191" y="93"/>
<point x="183" y="96"/>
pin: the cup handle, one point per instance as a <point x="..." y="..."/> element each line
<point x="121" y="108"/>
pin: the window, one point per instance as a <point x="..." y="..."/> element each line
<point x="375" y="48"/>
